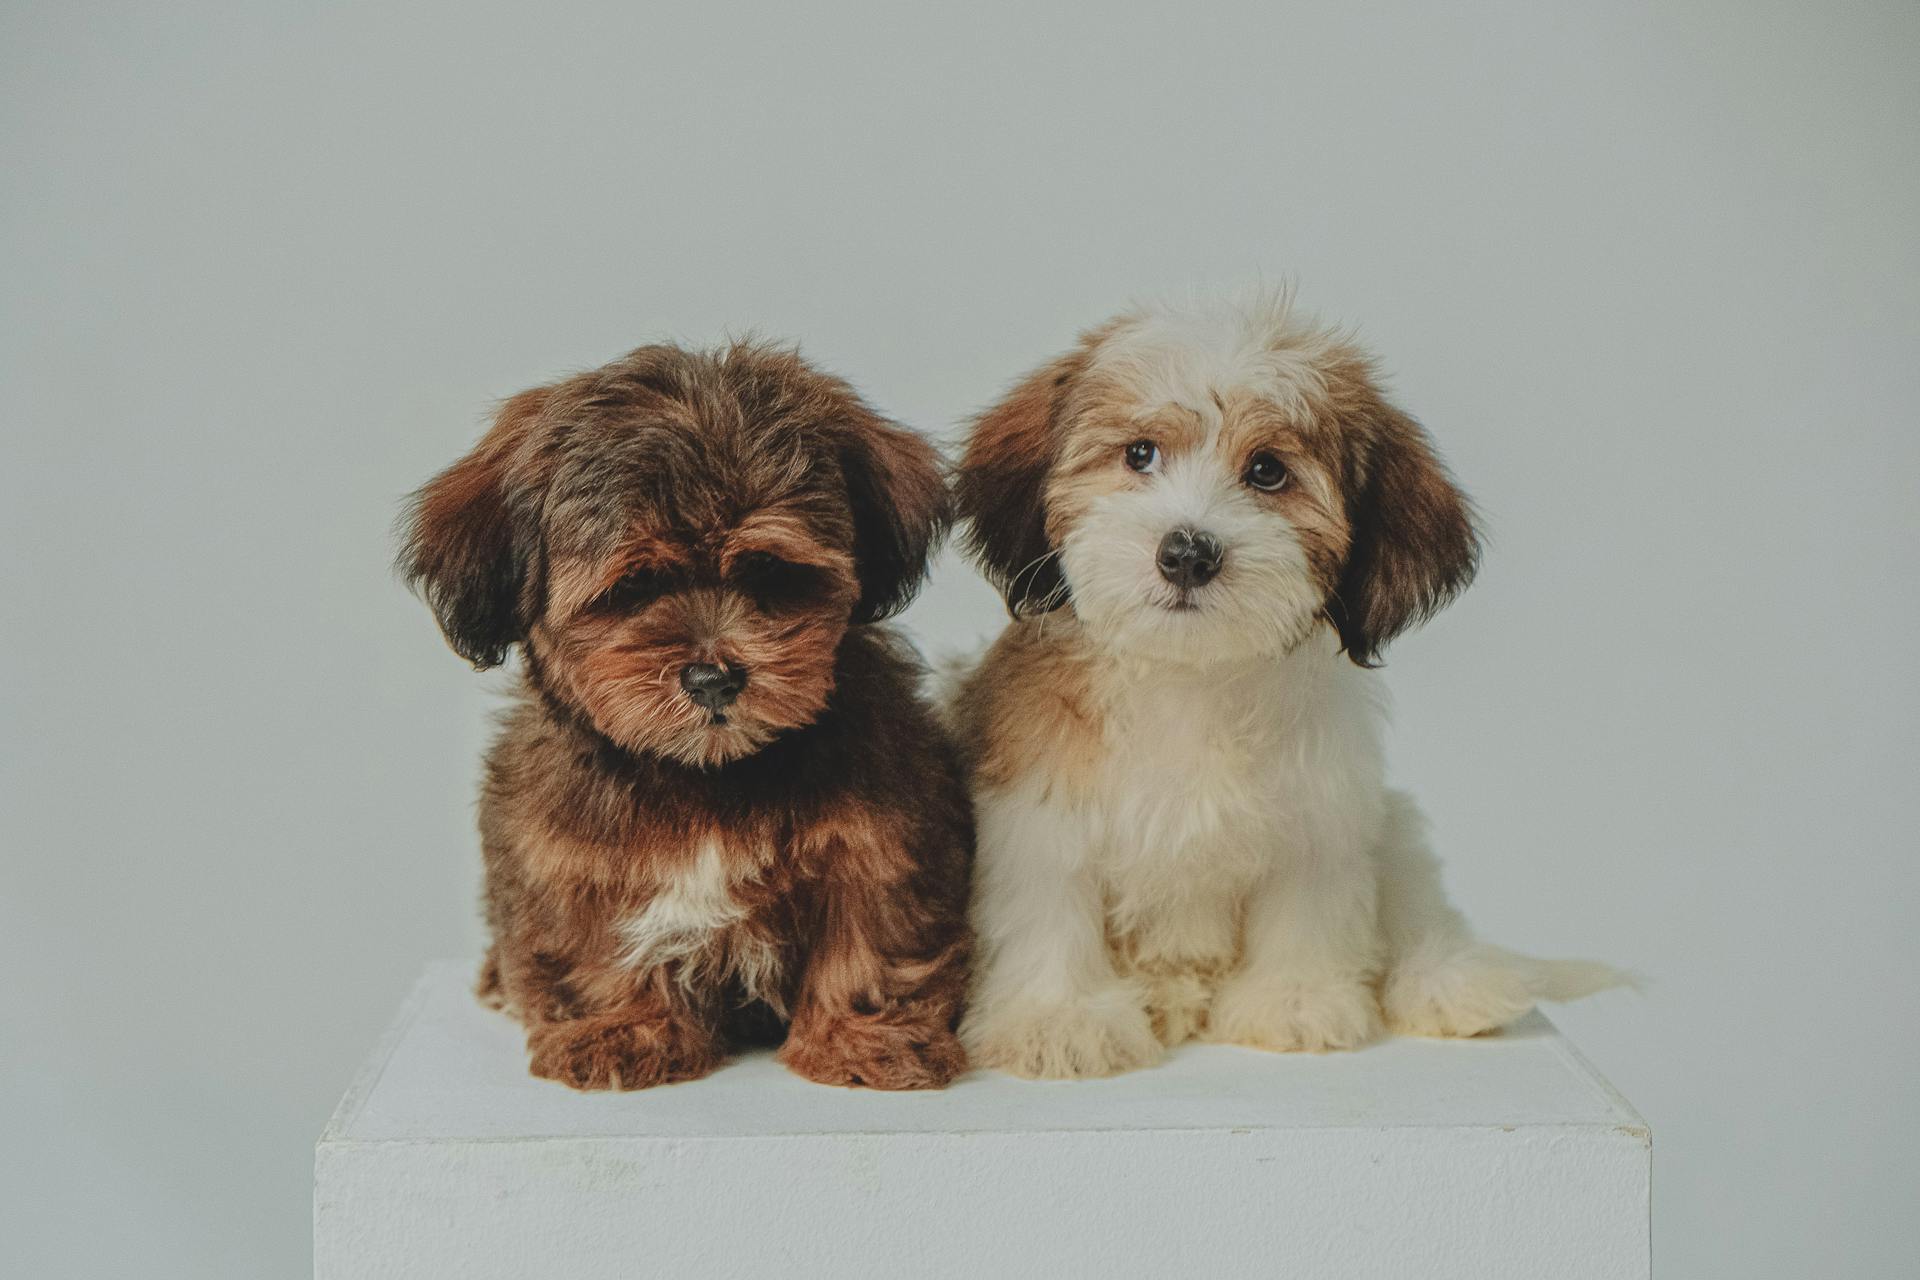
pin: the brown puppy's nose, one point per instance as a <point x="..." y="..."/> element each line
<point x="711" y="685"/>
<point x="1188" y="558"/>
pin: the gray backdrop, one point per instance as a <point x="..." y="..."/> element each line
<point x="1649" y="273"/>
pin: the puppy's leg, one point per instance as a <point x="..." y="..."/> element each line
<point x="633" y="1032"/>
<point x="1441" y="981"/>
<point x="1179" y="948"/>
<point x="1312" y="950"/>
<point x="487" y="988"/>
<point x="881" y="991"/>
<point x="527" y="982"/>
<point x="1046" y="1000"/>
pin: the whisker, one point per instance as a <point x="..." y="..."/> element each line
<point x="1031" y="566"/>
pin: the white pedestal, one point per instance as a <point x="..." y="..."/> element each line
<point x="1501" y="1157"/>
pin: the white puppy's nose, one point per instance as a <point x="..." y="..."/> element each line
<point x="1189" y="558"/>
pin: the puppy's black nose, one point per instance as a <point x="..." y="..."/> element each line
<point x="1189" y="558"/>
<point x="713" y="687"/>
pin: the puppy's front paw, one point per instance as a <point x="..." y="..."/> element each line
<point x="611" y="1053"/>
<point x="1470" y="994"/>
<point x="1100" y="1036"/>
<point x="1177" y="1003"/>
<point x="1295" y="1017"/>
<point x="863" y="1051"/>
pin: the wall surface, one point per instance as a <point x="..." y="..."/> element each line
<point x="1650" y="273"/>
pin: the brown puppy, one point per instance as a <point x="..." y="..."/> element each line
<point x="720" y="806"/>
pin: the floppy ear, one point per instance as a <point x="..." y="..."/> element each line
<point x="1002" y="488"/>
<point x="468" y="545"/>
<point x="1414" y="542"/>
<point x="900" y="509"/>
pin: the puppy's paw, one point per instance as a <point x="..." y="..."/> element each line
<point x="1177" y="1005"/>
<point x="865" y="1052"/>
<point x="487" y="988"/>
<point x="610" y="1053"/>
<point x="1468" y="994"/>
<point x="1102" y="1035"/>
<point x="1295" y="1017"/>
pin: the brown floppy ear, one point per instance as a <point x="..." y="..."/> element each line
<point x="900" y="510"/>
<point x="468" y="544"/>
<point x="1414" y="544"/>
<point x="1002" y="488"/>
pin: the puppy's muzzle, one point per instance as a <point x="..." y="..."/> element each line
<point x="713" y="686"/>
<point x="1189" y="558"/>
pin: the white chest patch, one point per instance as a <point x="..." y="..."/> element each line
<point x="687" y="921"/>
<point x="683" y="916"/>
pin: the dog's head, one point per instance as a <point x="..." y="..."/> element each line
<point x="1212" y="483"/>
<point x="679" y="542"/>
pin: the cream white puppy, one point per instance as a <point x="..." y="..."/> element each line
<point x="1207" y="521"/>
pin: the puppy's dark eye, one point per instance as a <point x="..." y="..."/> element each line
<point x="636" y="589"/>
<point x="775" y="583"/>
<point x="1143" y="455"/>
<point x="1266" y="472"/>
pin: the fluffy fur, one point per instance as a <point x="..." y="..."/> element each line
<point x="668" y="876"/>
<point x="1184" y="828"/>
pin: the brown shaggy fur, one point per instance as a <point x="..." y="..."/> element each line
<point x="665" y="881"/>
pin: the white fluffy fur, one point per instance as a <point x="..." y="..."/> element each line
<point x="684" y="920"/>
<point x="1240" y="837"/>
<point x="680" y="919"/>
